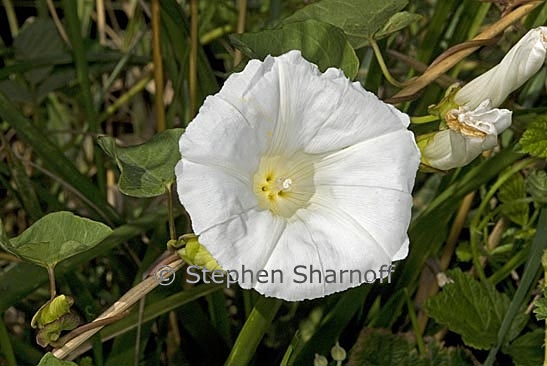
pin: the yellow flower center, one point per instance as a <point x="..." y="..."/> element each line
<point x="284" y="185"/>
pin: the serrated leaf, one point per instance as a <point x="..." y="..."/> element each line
<point x="146" y="169"/>
<point x="51" y="311"/>
<point x="536" y="185"/>
<point x="55" y="237"/>
<point x="379" y="347"/>
<point x="50" y="360"/>
<point x="359" y="19"/>
<point x="527" y="350"/>
<point x="540" y="308"/>
<point x="320" y="43"/>
<point x="509" y="194"/>
<point x="473" y="309"/>
<point x="534" y="139"/>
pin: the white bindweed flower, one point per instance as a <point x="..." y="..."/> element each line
<point x="522" y="61"/>
<point x="287" y="166"/>
<point x="469" y="133"/>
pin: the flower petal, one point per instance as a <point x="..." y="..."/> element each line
<point x="389" y="161"/>
<point x="214" y="199"/>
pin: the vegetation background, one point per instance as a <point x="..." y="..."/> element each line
<point x="74" y="70"/>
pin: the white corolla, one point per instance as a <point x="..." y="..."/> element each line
<point x="288" y="170"/>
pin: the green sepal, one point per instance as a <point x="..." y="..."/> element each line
<point x="51" y="311"/>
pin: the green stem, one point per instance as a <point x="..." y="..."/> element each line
<point x="51" y="275"/>
<point x="253" y="331"/>
<point x="423" y="119"/>
<point x="12" y="18"/>
<point x="5" y="344"/>
<point x="382" y="64"/>
<point x="172" y="230"/>
<point x="415" y="325"/>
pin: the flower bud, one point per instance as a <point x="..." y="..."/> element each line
<point x="469" y="133"/>
<point x="519" y="64"/>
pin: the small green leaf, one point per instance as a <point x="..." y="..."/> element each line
<point x="55" y="237"/>
<point x="51" y="311"/>
<point x="146" y="169"/>
<point x="534" y="139"/>
<point x="379" y="347"/>
<point x="509" y="194"/>
<point x="484" y="308"/>
<point x="397" y="22"/>
<point x="320" y="43"/>
<point x="359" y="19"/>
<point x="527" y="350"/>
<point x="50" y="360"/>
<point x="540" y="308"/>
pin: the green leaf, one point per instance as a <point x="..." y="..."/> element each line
<point x="146" y="169"/>
<point x="320" y="43"/>
<point x="397" y="22"/>
<point x="509" y="194"/>
<point x="527" y="350"/>
<point x="359" y="19"/>
<point x="536" y="185"/>
<point x="540" y="308"/>
<point x="38" y="39"/>
<point x="50" y="360"/>
<point x="379" y="347"/>
<point x="51" y="311"/>
<point x="534" y="139"/>
<point x="55" y="237"/>
<point x="484" y="308"/>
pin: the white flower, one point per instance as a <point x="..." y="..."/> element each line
<point x="469" y="133"/>
<point x="522" y="61"/>
<point x="287" y="166"/>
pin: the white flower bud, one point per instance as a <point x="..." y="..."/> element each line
<point x="469" y="133"/>
<point x="519" y="64"/>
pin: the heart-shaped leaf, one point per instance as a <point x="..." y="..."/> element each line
<point x="146" y="169"/>
<point x="55" y="237"/>
<point x="323" y="44"/>
<point x="50" y="360"/>
<point x="361" y="20"/>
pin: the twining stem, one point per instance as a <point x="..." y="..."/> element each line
<point x="158" y="65"/>
<point x="253" y="330"/>
<point x="193" y="77"/>
<point x="415" y="325"/>
<point x="440" y="68"/>
<point x="120" y="306"/>
<point x="383" y="65"/>
<point x="51" y="275"/>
